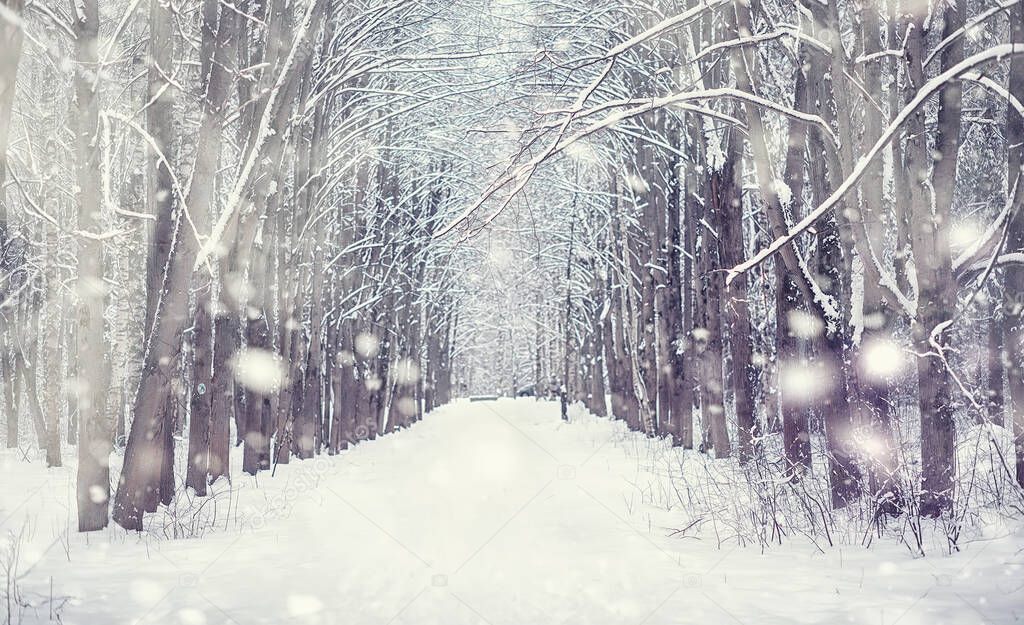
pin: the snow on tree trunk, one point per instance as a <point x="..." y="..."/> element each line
<point x="95" y="429"/>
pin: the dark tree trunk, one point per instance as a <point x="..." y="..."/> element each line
<point x="734" y="310"/>
<point x="872" y="404"/>
<point x="160" y="157"/>
<point x="308" y="433"/>
<point x="932" y="256"/>
<point x="688" y="372"/>
<point x="1013" y="319"/>
<point x="672" y="328"/>
<point x="202" y="400"/>
<point x="139" y="486"/>
<point x="837" y="390"/>
<point x="222" y="393"/>
<point x="258" y="414"/>
<point x="623" y="405"/>
<point x="651" y="266"/>
<point x="719" y="194"/>
<point x="566" y="347"/>
<point x="995" y="393"/>
<point x="598" y="402"/>
<point x="47" y="429"/>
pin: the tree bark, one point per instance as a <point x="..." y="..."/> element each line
<point x="11" y="36"/>
<point x="720" y="192"/>
<point x="1013" y="319"/>
<point x="199" y="429"/>
<point x="94" y="426"/>
<point x="138" y="489"/>
<point x="222" y="398"/>
<point x="160" y="156"/>
<point x="932" y="258"/>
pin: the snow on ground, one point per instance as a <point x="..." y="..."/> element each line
<point x="488" y="513"/>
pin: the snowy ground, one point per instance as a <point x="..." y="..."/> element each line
<point x="488" y="512"/>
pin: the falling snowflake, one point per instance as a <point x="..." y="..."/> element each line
<point x="804" y="325"/>
<point x="258" y="370"/>
<point x="367" y="345"/>
<point x="407" y="372"/>
<point x="880" y="359"/>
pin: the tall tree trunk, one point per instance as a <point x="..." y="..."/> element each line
<point x="721" y="190"/>
<point x="47" y="429"/>
<point x="932" y="258"/>
<point x="652" y="168"/>
<point x="94" y="426"/>
<point x="201" y="399"/>
<point x="796" y="430"/>
<point x="598" y="400"/>
<point x="995" y="393"/>
<point x="1013" y="319"/>
<point x="256" y="422"/>
<point x="52" y="324"/>
<point x="731" y="251"/>
<point x="259" y="399"/>
<point x="11" y="36"/>
<point x="138" y="489"/>
<point x="619" y="403"/>
<point x="873" y="406"/>
<point x="833" y="398"/>
<point x="688" y="372"/>
<point x="11" y="390"/>
<point x="672" y="327"/>
<point x="222" y="395"/>
<point x="160" y="156"/>
<point x="624" y="402"/>
<point x="564" y="395"/>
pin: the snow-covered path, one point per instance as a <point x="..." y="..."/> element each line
<point x="495" y="513"/>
